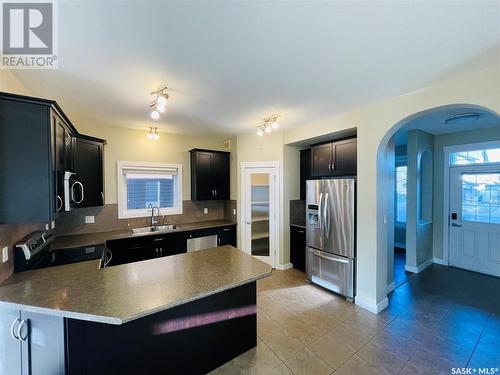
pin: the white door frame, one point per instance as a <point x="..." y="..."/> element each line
<point x="242" y="217"/>
<point x="446" y="189"/>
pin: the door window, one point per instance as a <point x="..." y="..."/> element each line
<point x="481" y="197"/>
<point x="485" y="156"/>
<point x="260" y="214"/>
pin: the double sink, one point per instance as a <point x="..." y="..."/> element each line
<point x="153" y="229"/>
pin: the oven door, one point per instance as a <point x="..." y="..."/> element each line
<point x="74" y="191"/>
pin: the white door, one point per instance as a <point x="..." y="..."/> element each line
<point x="259" y="203"/>
<point x="475" y="218"/>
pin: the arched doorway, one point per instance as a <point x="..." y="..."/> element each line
<point x="425" y="221"/>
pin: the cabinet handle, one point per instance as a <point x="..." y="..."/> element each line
<point x="19" y="330"/>
<point x="300" y="231"/>
<point x="12" y="327"/>
<point x="156" y="251"/>
<point x="218" y="240"/>
<point x="102" y="196"/>
<point x="226" y="230"/>
<point x="215" y="192"/>
<point x="161" y="251"/>
<point x="59" y="203"/>
<point x="329" y="166"/>
<point x="333" y="166"/>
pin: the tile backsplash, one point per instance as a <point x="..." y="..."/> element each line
<point x="106" y="217"/>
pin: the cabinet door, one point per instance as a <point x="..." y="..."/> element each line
<point x="88" y="160"/>
<point x="305" y="171"/>
<point x="298" y="248"/>
<point x="220" y="175"/>
<point x="201" y="178"/>
<point x="345" y="158"/>
<point x="43" y="348"/>
<point x="10" y="347"/>
<point x="321" y="160"/>
<point x="227" y="236"/>
<point x="58" y="152"/>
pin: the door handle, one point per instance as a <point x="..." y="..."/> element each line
<point x="319" y="212"/>
<point x="456" y="225"/>
<point x="249" y="222"/>
<point x="19" y="330"/>
<point x="60" y="203"/>
<point x="326" y="217"/>
<point x="12" y="328"/>
<point x="73" y="192"/>
<point x="334" y="259"/>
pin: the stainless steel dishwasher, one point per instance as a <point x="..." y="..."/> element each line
<point x="201" y="243"/>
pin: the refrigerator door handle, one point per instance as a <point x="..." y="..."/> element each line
<point x="326" y="215"/>
<point x="319" y="213"/>
<point x="332" y="258"/>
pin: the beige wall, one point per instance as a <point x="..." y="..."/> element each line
<point x="133" y="145"/>
<point x="376" y="123"/>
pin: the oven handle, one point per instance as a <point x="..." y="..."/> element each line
<point x="332" y="258"/>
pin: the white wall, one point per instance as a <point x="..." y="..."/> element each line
<point x="419" y="198"/>
<point x="376" y="123"/>
<point x="440" y="142"/>
<point x="387" y="241"/>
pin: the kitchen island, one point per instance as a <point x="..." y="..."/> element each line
<point x="187" y="313"/>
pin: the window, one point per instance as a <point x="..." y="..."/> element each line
<point x="401" y="173"/>
<point x="475" y="157"/>
<point x="142" y="186"/>
<point x="481" y="197"/>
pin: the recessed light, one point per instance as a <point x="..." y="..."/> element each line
<point x="462" y="118"/>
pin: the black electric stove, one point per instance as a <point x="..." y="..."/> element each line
<point x="35" y="251"/>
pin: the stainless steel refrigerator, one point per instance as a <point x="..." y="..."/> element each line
<point x="330" y="234"/>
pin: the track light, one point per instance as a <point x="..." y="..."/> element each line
<point x="159" y="103"/>
<point x="268" y="124"/>
<point x="153" y="133"/>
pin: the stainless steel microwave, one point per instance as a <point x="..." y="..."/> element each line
<point x="74" y="192"/>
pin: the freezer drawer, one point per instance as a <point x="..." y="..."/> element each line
<point x="330" y="271"/>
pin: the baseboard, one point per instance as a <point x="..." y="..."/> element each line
<point x="283" y="267"/>
<point x="419" y="268"/>
<point x="400" y="245"/>
<point x="372" y="307"/>
<point x="391" y="287"/>
<point x="439" y="261"/>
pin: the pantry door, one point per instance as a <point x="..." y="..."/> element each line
<point x="260" y="210"/>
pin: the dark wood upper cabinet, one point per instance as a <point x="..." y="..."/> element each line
<point x="37" y="145"/>
<point x="337" y="158"/>
<point x="88" y="161"/>
<point x="209" y="175"/>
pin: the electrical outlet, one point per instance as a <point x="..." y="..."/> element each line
<point x="205" y="210"/>
<point x="5" y="254"/>
<point x="89" y="219"/>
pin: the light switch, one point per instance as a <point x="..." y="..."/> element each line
<point x="5" y="254"/>
<point x="234" y="211"/>
<point x="89" y="219"/>
<point x="205" y="210"/>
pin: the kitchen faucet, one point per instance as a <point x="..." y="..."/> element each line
<point x="154" y="221"/>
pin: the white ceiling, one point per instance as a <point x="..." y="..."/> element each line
<point x="228" y="64"/>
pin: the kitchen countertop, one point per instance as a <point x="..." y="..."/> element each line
<point x="119" y="294"/>
<point x="100" y="238"/>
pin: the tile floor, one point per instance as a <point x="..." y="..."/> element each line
<point x="439" y="319"/>
<point x="400" y="275"/>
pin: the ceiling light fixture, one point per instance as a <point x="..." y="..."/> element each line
<point x="159" y="103"/>
<point x="153" y="133"/>
<point x="268" y="124"/>
<point x="462" y="118"/>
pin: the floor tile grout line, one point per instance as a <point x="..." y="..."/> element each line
<point x="479" y="339"/>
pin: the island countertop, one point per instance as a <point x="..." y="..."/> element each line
<point x="123" y="293"/>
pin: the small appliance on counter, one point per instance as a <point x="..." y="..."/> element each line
<point x="330" y="234"/>
<point x="34" y="252"/>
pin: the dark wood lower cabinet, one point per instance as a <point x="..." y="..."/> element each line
<point x="136" y="249"/>
<point x="298" y="247"/>
<point x="193" y="338"/>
